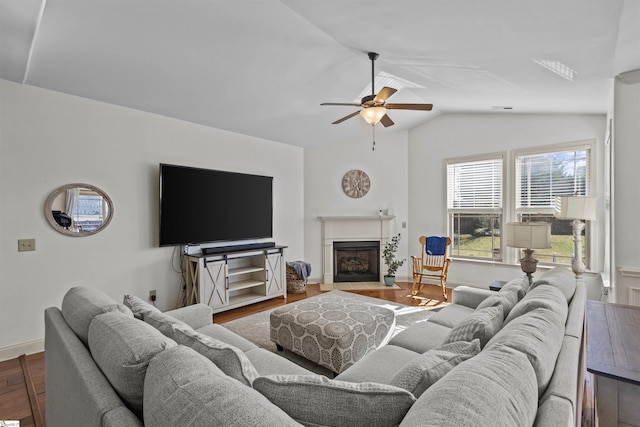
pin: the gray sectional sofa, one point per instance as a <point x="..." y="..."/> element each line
<point x="508" y="358"/>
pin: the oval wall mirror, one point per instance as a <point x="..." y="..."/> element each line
<point x="78" y="209"/>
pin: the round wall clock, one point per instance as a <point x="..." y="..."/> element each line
<point x="356" y="183"/>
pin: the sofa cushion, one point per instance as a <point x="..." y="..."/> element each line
<point x="561" y="278"/>
<point x="507" y="300"/>
<point x="266" y="362"/>
<point x="80" y="305"/>
<point x="379" y="366"/>
<point x="318" y="401"/>
<point x="423" y="371"/>
<point x="496" y="389"/>
<point x="481" y="324"/>
<point x="183" y="388"/>
<point x="543" y="296"/>
<point x="538" y="334"/>
<point x="228" y="358"/>
<point x="138" y="306"/>
<point x="223" y="334"/>
<point x="451" y="315"/>
<point x="421" y="337"/>
<point x="122" y="347"/>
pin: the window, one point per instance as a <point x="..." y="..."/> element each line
<point x="484" y="192"/>
<point x="539" y="178"/>
<point x="474" y="207"/>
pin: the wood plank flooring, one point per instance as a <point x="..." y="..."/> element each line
<point x="22" y="392"/>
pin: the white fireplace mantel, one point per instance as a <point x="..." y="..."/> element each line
<point x="350" y="229"/>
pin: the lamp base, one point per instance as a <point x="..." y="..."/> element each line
<point x="577" y="265"/>
<point x="529" y="264"/>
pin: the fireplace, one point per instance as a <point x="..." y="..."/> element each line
<point x="356" y="261"/>
<point x="354" y="230"/>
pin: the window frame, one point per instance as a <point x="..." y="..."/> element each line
<point x="584" y="145"/>
<point x="509" y="211"/>
<point x="449" y="212"/>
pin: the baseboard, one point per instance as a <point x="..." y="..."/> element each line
<point x="15" y="350"/>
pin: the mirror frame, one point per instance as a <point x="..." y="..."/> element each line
<point x="48" y="204"/>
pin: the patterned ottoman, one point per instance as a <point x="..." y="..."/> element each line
<point x="334" y="330"/>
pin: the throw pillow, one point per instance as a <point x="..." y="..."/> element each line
<point x="481" y="324"/>
<point x="228" y="358"/>
<point x="80" y="305"/>
<point x="507" y="300"/>
<point x="165" y="324"/>
<point x="122" y="347"/>
<point x="138" y="306"/>
<point x="318" y="401"/>
<point x="424" y="370"/>
<point x="520" y="285"/>
<point x="183" y="388"/>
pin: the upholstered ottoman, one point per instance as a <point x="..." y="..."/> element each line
<point x="334" y="330"/>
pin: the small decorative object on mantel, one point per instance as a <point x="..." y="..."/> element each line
<point x="389" y="256"/>
<point x="356" y="183"/>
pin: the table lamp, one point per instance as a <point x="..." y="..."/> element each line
<point x="528" y="236"/>
<point x="576" y="208"/>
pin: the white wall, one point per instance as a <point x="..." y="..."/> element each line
<point x="456" y="135"/>
<point x="48" y="139"/>
<point x="626" y="148"/>
<point x="324" y="168"/>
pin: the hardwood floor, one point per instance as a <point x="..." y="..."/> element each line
<point x="431" y="295"/>
<point x="22" y="392"/>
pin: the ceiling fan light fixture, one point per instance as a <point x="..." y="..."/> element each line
<point x="373" y="115"/>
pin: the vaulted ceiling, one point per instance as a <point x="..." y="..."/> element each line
<point x="263" y="67"/>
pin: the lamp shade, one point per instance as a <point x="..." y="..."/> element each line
<point x="528" y="235"/>
<point x="576" y="207"/>
<point x="373" y="115"/>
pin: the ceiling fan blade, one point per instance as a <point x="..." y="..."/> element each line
<point x="351" y="104"/>
<point x="345" y="118"/>
<point x="384" y="94"/>
<point x="423" y="107"/>
<point x="386" y="121"/>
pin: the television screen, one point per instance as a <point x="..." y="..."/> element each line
<point x="204" y="205"/>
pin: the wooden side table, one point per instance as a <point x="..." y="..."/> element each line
<point x="613" y="357"/>
<point x="496" y="285"/>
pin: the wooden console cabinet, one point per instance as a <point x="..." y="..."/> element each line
<point x="613" y="357"/>
<point x="233" y="279"/>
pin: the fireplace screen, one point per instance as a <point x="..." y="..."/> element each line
<point x="356" y="261"/>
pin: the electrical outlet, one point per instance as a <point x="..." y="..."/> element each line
<point x="152" y="295"/>
<point x="404" y="224"/>
<point x="25" y="245"/>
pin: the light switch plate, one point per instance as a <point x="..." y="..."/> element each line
<point x="25" y="245"/>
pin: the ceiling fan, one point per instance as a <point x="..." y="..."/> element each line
<point x="374" y="109"/>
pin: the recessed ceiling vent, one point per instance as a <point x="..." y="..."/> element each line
<point x="501" y="108"/>
<point x="557" y="67"/>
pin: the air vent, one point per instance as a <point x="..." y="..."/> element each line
<point x="557" y="67"/>
<point x="501" y="108"/>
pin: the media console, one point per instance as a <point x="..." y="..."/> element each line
<point x="235" y="278"/>
<point x="237" y="248"/>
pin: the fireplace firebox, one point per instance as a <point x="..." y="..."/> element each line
<point x="356" y="261"/>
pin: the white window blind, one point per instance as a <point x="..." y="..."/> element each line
<point x="542" y="177"/>
<point x="475" y="185"/>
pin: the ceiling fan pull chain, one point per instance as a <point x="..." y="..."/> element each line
<point x="373" y="128"/>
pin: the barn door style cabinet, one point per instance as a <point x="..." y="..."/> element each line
<point x="233" y="279"/>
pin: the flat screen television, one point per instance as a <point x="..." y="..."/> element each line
<point x="204" y="205"/>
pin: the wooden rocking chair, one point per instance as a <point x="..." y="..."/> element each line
<point x="432" y="264"/>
